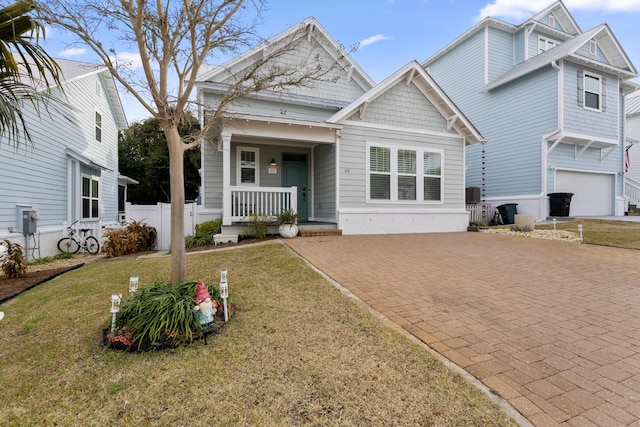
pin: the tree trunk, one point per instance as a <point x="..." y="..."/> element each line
<point x="176" y="171"/>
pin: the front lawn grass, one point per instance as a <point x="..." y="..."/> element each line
<point x="296" y="352"/>
<point x="622" y="234"/>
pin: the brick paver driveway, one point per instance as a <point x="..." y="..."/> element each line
<point x="551" y="326"/>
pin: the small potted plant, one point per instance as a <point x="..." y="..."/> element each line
<point x="287" y="223"/>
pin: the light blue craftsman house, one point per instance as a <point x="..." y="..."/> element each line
<point x="350" y="154"/>
<point x="71" y="171"/>
<point x="549" y="99"/>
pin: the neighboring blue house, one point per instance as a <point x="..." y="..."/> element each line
<point x="71" y="171"/>
<point x="632" y="174"/>
<point x="549" y="99"/>
<point x="346" y="153"/>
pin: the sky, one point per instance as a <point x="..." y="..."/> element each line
<point x="390" y="33"/>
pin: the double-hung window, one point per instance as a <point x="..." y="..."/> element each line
<point x="379" y="173"/>
<point x="90" y="197"/>
<point x="247" y="170"/>
<point x="407" y="175"/>
<point x="403" y="174"/>
<point x="592" y="91"/>
<point x="545" y="44"/>
<point x="432" y="176"/>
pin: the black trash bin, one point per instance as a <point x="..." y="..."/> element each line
<point x="559" y="204"/>
<point x="508" y="212"/>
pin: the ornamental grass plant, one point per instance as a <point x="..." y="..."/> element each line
<point x="296" y="352"/>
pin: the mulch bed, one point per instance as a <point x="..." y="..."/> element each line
<point x="9" y="288"/>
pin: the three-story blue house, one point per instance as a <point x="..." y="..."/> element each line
<point x="549" y="100"/>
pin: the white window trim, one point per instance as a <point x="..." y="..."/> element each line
<point x="91" y="178"/>
<point x="544" y="42"/>
<point x="552" y="21"/>
<point x="239" y="166"/>
<point x="96" y="127"/>
<point x="420" y="175"/>
<point x="593" y="47"/>
<point x="584" y="91"/>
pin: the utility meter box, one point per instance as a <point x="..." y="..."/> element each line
<point x="29" y="221"/>
<point x="26" y="219"/>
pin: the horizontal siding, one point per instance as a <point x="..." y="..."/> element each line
<point x="500" y="53"/>
<point x="514" y="119"/>
<point x="211" y="175"/>
<point x="580" y="120"/>
<point x="352" y="168"/>
<point x="324" y="181"/>
<point x="519" y="46"/>
<point x="278" y="109"/>
<point x="39" y="177"/>
<point x="460" y="73"/>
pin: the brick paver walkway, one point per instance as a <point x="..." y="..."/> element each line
<point x="553" y="327"/>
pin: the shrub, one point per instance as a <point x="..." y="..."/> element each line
<point x="136" y="237"/>
<point x="146" y="235"/>
<point x="13" y="263"/>
<point x="204" y="234"/>
<point x="161" y="314"/>
<point x="257" y="226"/>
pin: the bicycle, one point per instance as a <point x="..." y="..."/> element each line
<point x="74" y="242"/>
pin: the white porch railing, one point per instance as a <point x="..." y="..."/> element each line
<point x="267" y="201"/>
<point x="632" y="190"/>
<point x="480" y="212"/>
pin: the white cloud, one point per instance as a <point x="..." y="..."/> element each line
<point x="68" y="53"/>
<point x="372" y="40"/>
<point x="128" y="59"/>
<point x="519" y="10"/>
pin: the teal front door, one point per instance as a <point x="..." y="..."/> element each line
<point x="294" y="172"/>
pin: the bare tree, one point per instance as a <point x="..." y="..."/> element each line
<point x="173" y="40"/>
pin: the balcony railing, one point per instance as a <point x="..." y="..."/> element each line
<point x="262" y="201"/>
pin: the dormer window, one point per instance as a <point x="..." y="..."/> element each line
<point x="593" y="47"/>
<point x="544" y="44"/>
<point x="552" y="21"/>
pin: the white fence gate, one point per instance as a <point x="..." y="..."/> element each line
<point x="159" y="216"/>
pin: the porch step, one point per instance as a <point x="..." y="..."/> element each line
<point x="314" y="232"/>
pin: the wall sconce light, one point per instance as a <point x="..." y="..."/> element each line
<point x="273" y="167"/>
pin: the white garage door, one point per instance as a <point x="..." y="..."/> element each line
<point x="592" y="192"/>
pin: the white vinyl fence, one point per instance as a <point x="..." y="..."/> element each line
<point x="159" y="216"/>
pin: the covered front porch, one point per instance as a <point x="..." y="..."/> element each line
<point x="272" y="166"/>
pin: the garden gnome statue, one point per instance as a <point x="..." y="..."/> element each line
<point x="206" y="306"/>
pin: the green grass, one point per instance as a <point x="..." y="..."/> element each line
<point x="622" y="234"/>
<point x="297" y="352"/>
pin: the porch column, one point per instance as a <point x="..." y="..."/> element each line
<point x="226" y="177"/>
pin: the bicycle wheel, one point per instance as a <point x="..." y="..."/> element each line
<point x="92" y="245"/>
<point x="68" y="245"/>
